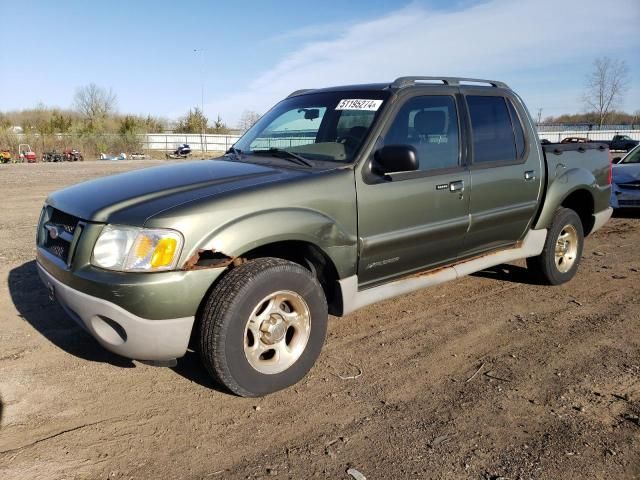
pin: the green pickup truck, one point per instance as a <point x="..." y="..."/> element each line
<point x="337" y="198"/>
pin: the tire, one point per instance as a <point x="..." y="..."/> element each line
<point x="245" y="315"/>
<point x="555" y="269"/>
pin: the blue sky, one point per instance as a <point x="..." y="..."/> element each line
<point x="253" y="53"/>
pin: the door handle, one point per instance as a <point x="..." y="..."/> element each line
<point x="457" y="186"/>
<point x="529" y="175"/>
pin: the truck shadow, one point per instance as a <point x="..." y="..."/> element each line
<point x="47" y="317"/>
<point x="508" y="273"/>
<point x="626" y="213"/>
<point x="192" y="369"/>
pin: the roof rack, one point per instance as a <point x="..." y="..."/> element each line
<point x="401" y="82"/>
<point x="299" y="92"/>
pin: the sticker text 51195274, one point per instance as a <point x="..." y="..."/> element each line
<point x="358" y="104"/>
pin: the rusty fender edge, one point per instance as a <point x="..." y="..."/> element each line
<point x="203" y="259"/>
<point x="354" y="299"/>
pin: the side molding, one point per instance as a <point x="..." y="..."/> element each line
<point x="354" y="299"/>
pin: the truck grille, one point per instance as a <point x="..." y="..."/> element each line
<point x="58" y="233"/>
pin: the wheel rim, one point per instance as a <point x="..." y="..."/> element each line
<point x="277" y="332"/>
<point x="566" y="248"/>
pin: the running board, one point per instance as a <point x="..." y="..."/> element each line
<point x="353" y="299"/>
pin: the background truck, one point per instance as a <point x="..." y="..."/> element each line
<point x="336" y="199"/>
<point x="622" y="142"/>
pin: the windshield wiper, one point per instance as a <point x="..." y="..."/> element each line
<point x="286" y="155"/>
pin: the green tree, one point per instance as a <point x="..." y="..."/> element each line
<point x="194" y="122"/>
<point x="154" y="125"/>
<point x="219" y="126"/>
<point x="5" y="122"/>
<point x="129" y="124"/>
<point x="60" y="123"/>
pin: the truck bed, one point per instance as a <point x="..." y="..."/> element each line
<point x="575" y="164"/>
<point x="560" y="157"/>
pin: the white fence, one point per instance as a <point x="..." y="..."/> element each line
<point x="205" y="143"/>
<point x="221" y="143"/>
<point x="596" y="135"/>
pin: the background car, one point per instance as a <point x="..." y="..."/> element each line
<point x="575" y="140"/>
<point x="625" y="187"/>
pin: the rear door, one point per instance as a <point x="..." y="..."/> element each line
<point x="505" y="169"/>
<point x="415" y="220"/>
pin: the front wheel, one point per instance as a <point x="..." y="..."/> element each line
<point x="560" y="258"/>
<point x="263" y="326"/>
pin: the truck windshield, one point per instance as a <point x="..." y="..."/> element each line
<point x="328" y="126"/>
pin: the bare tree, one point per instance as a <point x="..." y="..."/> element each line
<point x="94" y="102"/>
<point x="248" y="119"/>
<point x="606" y="86"/>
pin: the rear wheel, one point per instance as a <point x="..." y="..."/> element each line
<point x="263" y="326"/>
<point x="560" y="258"/>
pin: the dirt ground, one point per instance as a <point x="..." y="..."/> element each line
<point x="487" y="377"/>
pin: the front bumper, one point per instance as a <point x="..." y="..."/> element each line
<point x="119" y="330"/>
<point x="624" y="197"/>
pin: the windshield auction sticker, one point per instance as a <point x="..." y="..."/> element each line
<point x="359" y="104"/>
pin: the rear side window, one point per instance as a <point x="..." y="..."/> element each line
<point x="430" y="125"/>
<point x="517" y="130"/>
<point x="493" y="138"/>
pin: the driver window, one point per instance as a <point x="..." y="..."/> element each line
<point x="430" y="125"/>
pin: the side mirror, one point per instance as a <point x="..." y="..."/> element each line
<point x="396" y="158"/>
<point x="616" y="159"/>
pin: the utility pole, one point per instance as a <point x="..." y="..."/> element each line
<point x="200" y="51"/>
<point x="539" y="115"/>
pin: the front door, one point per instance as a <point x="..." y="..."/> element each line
<point x="415" y="220"/>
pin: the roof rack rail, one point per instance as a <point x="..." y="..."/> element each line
<point x="299" y="92"/>
<point x="401" y="82"/>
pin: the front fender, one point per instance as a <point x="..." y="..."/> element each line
<point x="563" y="185"/>
<point x="241" y="235"/>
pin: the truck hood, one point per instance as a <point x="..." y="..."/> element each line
<point x="131" y="198"/>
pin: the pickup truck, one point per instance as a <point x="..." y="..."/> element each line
<point x="622" y="142"/>
<point x="336" y="199"/>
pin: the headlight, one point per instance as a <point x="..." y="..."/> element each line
<point x="137" y="249"/>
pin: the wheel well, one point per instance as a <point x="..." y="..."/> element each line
<point x="581" y="202"/>
<point x="305" y="254"/>
<point x="311" y="257"/>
